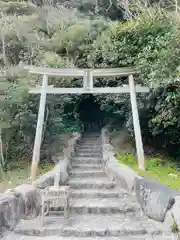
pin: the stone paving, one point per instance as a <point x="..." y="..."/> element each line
<point x="140" y="237"/>
<point x="98" y="209"/>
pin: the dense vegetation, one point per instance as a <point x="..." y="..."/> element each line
<point x="95" y="34"/>
<point x="156" y="168"/>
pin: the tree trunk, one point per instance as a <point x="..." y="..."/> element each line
<point x="2" y="163"/>
<point x="4" y="50"/>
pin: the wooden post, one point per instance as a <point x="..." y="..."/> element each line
<point x="137" y="130"/>
<point x="39" y="129"/>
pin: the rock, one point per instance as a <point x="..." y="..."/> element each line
<point x="31" y="200"/>
<point x="22" y="202"/>
<point x="11" y="210"/>
<point x="154" y="198"/>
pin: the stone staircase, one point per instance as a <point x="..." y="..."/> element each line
<point x="98" y="208"/>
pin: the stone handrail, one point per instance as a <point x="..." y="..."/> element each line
<point x="157" y="201"/>
<point x="23" y="202"/>
<point x="62" y="166"/>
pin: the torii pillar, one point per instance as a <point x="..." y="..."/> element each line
<point x="39" y="129"/>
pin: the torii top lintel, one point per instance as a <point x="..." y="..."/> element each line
<point x="126" y="71"/>
<point x="88" y="75"/>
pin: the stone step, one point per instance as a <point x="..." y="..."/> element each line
<point x="87" y="150"/>
<point x="97" y="193"/>
<point x="13" y="236"/>
<point x="93" y="138"/>
<point x="86" y="166"/>
<point x="94" y="147"/>
<point x="87" y="226"/>
<point x="92" y="135"/>
<point x="88" y="154"/>
<point x="86" y="160"/>
<point x="102" y="205"/>
<point x="99" y="183"/>
<point x="86" y="174"/>
<point x="90" y="144"/>
<point x="88" y="134"/>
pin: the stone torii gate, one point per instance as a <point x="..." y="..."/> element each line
<point x="88" y="88"/>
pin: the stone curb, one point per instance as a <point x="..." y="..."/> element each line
<point x="23" y="202"/>
<point x="157" y="201"/>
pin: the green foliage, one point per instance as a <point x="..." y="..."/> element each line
<point x="155" y="162"/>
<point x="20" y="8"/>
<point x="128" y="159"/>
<point x="140" y="42"/>
<point x="151" y="42"/>
<point x="110" y="9"/>
<point x="157" y="168"/>
<point x="174" y="226"/>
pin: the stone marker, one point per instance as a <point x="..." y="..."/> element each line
<point x="154" y="198"/>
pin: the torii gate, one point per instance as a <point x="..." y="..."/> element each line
<point x="87" y="75"/>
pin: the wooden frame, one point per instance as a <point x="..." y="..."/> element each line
<point x="54" y="197"/>
<point x="87" y="75"/>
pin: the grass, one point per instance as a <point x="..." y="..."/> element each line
<point x="156" y="168"/>
<point x="19" y="173"/>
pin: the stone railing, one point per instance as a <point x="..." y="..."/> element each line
<point x="157" y="201"/>
<point x="62" y="166"/>
<point x="23" y="202"/>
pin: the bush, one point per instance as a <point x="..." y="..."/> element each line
<point x="128" y="159"/>
<point x="151" y="42"/>
<point x="155" y="162"/>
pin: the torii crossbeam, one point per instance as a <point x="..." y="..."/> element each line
<point x="87" y="75"/>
